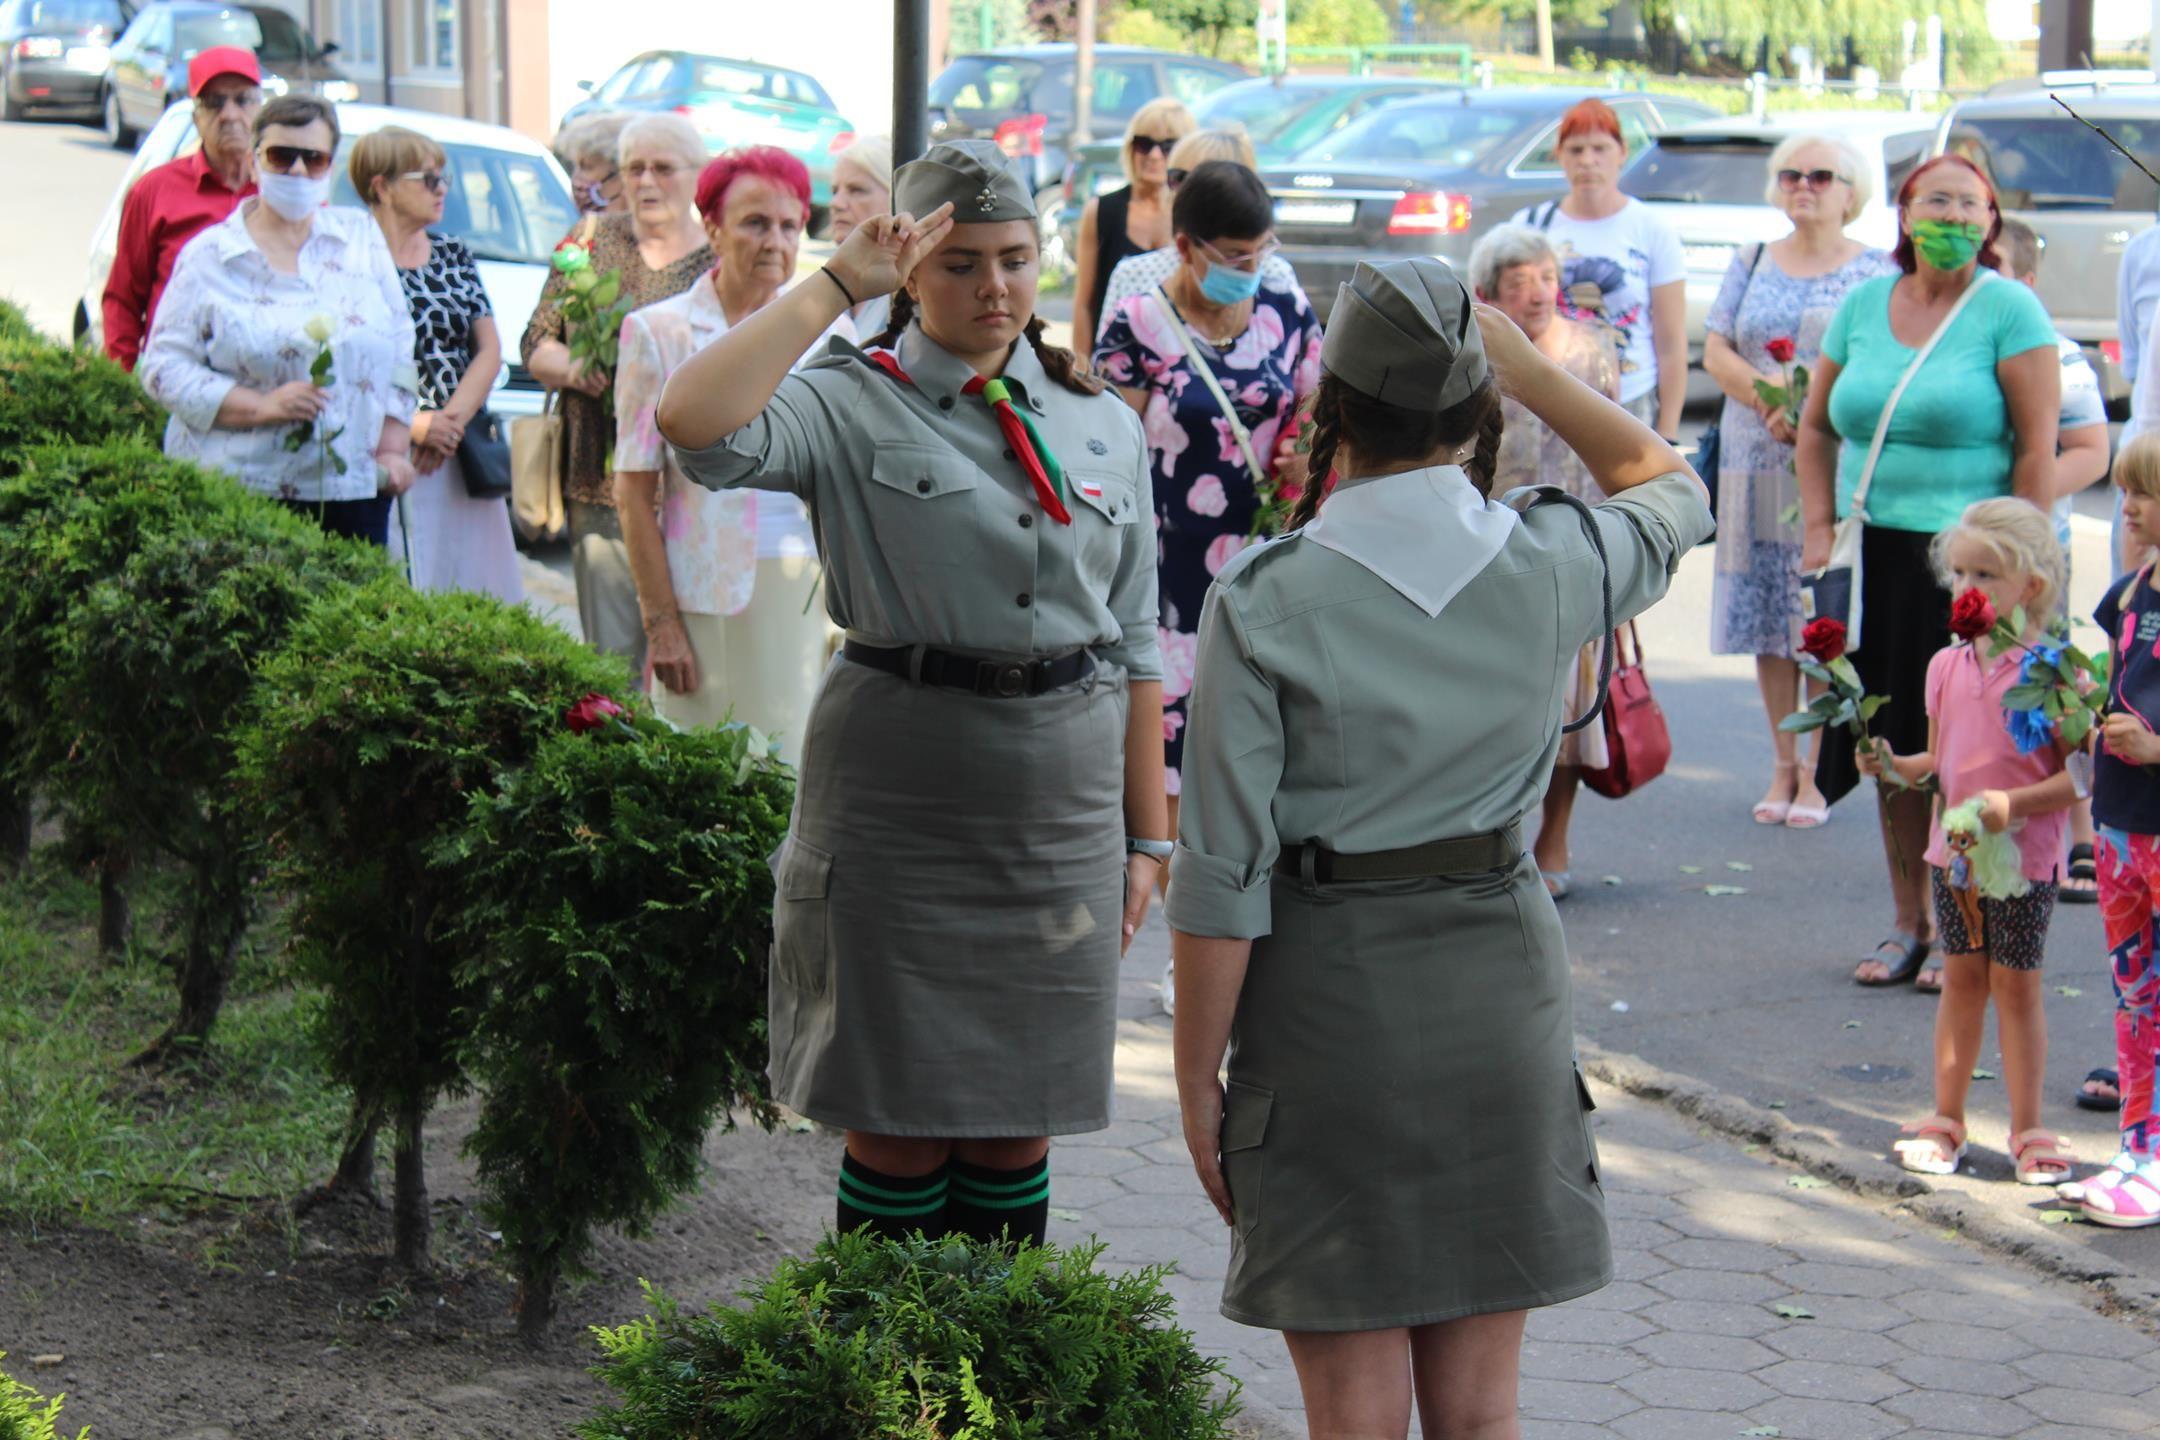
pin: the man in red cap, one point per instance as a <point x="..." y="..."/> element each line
<point x="170" y="204"/>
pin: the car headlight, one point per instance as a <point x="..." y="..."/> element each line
<point x="340" y="92"/>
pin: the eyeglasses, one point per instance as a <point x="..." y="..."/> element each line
<point x="280" y="159"/>
<point x="660" y="170"/>
<point x="1174" y="177"/>
<point x="1942" y="201"/>
<point x="435" y="180"/>
<point x="1148" y="145"/>
<point x="1816" y="179"/>
<point x="242" y="100"/>
<point x="1249" y="262"/>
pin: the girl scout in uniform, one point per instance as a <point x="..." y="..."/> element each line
<point x="1403" y="1147"/>
<point x="952" y="894"/>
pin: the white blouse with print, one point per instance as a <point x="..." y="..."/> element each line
<point x="228" y="319"/>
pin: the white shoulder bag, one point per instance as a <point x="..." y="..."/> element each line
<point x="1214" y="386"/>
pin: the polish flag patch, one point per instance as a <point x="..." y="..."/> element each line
<point x="1088" y="488"/>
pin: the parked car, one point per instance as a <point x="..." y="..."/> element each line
<point x="1428" y="177"/>
<point x="54" y="54"/>
<point x="1708" y="180"/>
<point x="150" y="60"/>
<point x="732" y="102"/>
<point x="509" y="201"/>
<point x="2083" y="198"/>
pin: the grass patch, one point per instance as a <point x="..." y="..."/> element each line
<point x="86" y="1141"/>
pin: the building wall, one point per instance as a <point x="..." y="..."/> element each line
<point x="441" y="55"/>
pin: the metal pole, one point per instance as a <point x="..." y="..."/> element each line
<point x="388" y="47"/>
<point x="1083" y="70"/>
<point x="911" y="79"/>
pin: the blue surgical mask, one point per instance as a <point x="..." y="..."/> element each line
<point x="1225" y="286"/>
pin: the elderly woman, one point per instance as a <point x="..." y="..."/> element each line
<point x="861" y="192"/>
<point x="1782" y="293"/>
<point x="727" y="580"/>
<point x="254" y="301"/>
<point x="1976" y="420"/>
<point x="448" y="539"/>
<point x="1619" y="263"/>
<point x="1515" y="269"/>
<point x="1134" y="218"/>
<point x="587" y="147"/>
<point x="656" y="243"/>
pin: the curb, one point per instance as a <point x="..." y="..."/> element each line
<point x="2110" y="1288"/>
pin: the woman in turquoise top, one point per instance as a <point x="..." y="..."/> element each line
<point x="1976" y="421"/>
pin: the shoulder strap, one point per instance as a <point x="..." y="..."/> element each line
<point x="1554" y="495"/>
<point x="1544" y="221"/>
<point x="1882" y="425"/>
<point x="1214" y="387"/>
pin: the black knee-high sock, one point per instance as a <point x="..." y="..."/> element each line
<point x="891" y="1205"/>
<point x="986" y="1204"/>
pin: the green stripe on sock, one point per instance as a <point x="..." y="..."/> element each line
<point x="901" y="1212"/>
<point x="982" y="1201"/>
<point x="904" y="1197"/>
<point x="978" y="1187"/>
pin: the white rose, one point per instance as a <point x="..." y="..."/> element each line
<point x="319" y="328"/>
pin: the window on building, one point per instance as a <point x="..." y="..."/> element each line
<point x="360" y="31"/>
<point x="435" y="35"/>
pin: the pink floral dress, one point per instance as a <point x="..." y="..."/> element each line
<point x="1204" y="495"/>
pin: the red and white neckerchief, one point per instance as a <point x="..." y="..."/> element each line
<point x="1045" y="475"/>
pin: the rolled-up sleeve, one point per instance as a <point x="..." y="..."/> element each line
<point x="175" y="365"/>
<point x="1135" y="596"/>
<point x="800" y="430"/>
<point x="1227" y="846"/>
<point x="1648" y="529"/>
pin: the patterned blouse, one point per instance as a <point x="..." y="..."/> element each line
<point x="447" y="298"/>
<point x="588" y="430"/>
<point x="228" y="319"/>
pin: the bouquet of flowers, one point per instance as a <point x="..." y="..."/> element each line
<point x="2061" y="692"/>
<point x="1844" y="701"/>
<point x="1792" y="395"/>
<point x="593" y="310"/>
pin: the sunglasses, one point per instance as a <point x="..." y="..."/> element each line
<point x="435" y="180"/>
<point x="1816" y="179"/>
<point x="1148" y="145"/>
<point x="235" y="99"/>
<point x="280" y="159"/>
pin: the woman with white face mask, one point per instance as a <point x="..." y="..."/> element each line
<point x="256" y="303"/>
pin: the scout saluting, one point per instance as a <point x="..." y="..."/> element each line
<point x="1403" y="1149"/>
<point x="952" y="893"/>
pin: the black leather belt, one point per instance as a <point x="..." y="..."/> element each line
<point x="1494" y="850"/>
<point x="995" y="679"/>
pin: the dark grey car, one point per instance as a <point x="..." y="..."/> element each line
<point x="53" y="54"/>
<point x="1428" y="177"/>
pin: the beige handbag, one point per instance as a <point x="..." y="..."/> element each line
<point x="536" y="463"/>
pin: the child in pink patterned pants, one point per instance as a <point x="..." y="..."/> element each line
<point x="2127" y="1193"/>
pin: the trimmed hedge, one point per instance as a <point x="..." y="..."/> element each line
<point x="27" y="1415"/>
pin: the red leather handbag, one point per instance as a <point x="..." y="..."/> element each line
<point x="1636" y="740"/>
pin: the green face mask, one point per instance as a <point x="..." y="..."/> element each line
<point x="1947" y="244"/>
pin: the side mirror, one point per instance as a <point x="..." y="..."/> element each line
<point x="329" y="47"/>
<point x="585" y="85"/>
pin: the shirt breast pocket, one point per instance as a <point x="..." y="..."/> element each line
<point x="921" y="503"/>
<point x="1104" y="504"/>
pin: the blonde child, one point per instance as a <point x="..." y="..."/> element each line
<point x="2126" y="811"/>
<point x="2005" y="549"/>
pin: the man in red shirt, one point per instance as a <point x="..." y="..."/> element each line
<point x="170" y="204"/>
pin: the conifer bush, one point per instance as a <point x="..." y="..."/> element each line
<point x="27" y="1415"/>
<point x="918" y="1339"/>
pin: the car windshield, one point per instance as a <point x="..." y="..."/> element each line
<point x="504" y="205"/>
<point x="731" y="79"/>
<point x="67" y="17"/>
<point x="1452" y="134"/>
<point x="271" y="34"/>
<point x="1726" y="173"/>
<point x="1266" y="111"/>
<point x="2046" y="164"/>
<point x="984" y="83"/>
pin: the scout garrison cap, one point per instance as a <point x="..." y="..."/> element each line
<point x="973" y="174"/>
<point x="1403" y="332"/>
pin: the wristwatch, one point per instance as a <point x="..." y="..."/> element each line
<point x="1159" y="850"/>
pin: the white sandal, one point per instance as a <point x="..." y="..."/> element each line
<point x="1926" y="1153"/>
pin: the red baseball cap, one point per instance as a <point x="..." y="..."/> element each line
<point x="222" y="60"/>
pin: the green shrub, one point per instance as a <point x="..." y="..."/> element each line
<point x="152" y="666"/>
<point x="25" y="1415"/>
<point x="362" y="744"/>
<point x="619" y="908"/>
<point x="51" y="392"/>
<point x="15" y="326"/>
<point x="918" y="1340"/>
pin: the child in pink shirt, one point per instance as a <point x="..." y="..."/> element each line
<point x="2006" y="550"/>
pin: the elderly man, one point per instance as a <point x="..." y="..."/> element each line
<point x="170" y="204"/>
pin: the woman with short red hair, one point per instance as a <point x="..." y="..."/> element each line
<point x="725" y="579"/>
<point x="1972" y="366"/>
<point x="1620" y="265"/>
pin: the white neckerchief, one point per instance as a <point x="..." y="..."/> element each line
<point x="1428" y="533"/>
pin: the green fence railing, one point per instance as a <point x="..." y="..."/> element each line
<point x="1361" y="58"/>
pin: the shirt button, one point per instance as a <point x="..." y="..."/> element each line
<point x="1025" y="600"/>
<point x="1026" y="521"/>
<point x="944" y="402"/>
<point x="1010" y="456"/>
<point x="922" y="487"/>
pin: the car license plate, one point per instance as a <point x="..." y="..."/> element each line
<point x="1708" y="258"/>
<point x="1316" y="212"/>
<point x="88" y="57"/>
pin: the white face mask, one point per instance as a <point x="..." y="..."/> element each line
<point x="294" y="196"/>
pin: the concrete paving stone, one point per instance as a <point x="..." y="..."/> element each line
<point x="1121" y="1134"/>
<point x="1727" y="1255"/>
<point x="1595" y="1364"/>
<point x="2080" y="1432"/>
<point x="1079" y="1192"/>
<point x="1823" y="1380"/>
<point x="1762" y="1229"/>
<point x="1953" y="1308"/>
<point x="1637" y="1265"/>
<point x="1956" y="1341"/>
<point x="1890" y="1253"/>
<point x="1967" y="1377"/>
<point x="1711" y="1317"/>
<point x="1074" y="1158"/>
<point x="1640" y="1173"/>
<point x="1128" y="1209"/>
<point x="1207" y="1264"/>
<point x="2085" y="1334"/>
<point x="1634" y="1205"/>
<point x="1813" y="1340"/>
<point x="1744" y="1287"/>
<point x="1726" y="1200"/>
<point x="1799" y="1418"/>
<point x="1683" y="1389"/>
<point x="1577" y="1400"/>
<point x="1562" y="1430"/>
<point x="1960" y="1412"/>
<point x="1150" y="1244"/>
<point x="1155" y="1179"/>
<point x="1171" y="1150"/>
<point x="1853" y="1314"/>
<point x="1704" y="1352"/>
<point x="2090" y="1372"/>
<point x="1865" y="1281"/>
<point x="1639" y="1234"/>
<point x="2085" y="1408"/>
<point x="1587" y="1327"/>
<point x="1679" y="1425"/>
<point x="1620" y="1295"/>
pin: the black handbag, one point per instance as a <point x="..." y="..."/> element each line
<point x="484" y="457"/>
<point x="1707" y="447"/>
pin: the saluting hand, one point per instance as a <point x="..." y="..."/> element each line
<point x="877" y="258"/>
<point x="1507" y="350"/>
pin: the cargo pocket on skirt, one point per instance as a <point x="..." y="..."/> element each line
<point x="1245" y="1121"/>
<point x="802" y="941"/>
<point x="1582" y="1095"/>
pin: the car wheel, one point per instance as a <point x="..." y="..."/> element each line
<point x="117" y="133"/>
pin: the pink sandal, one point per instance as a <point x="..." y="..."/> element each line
<point x="1937" y="1146"/>
<point x="2043" y="1158"/>
<point x="2131" y="1203"/>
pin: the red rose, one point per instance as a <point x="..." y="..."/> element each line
<point x="591" y="713"/>
<point x="1782" y="349"/>
<point x="1823" y="640"/>
<point x="1972" y="615"/>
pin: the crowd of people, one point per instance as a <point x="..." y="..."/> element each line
<point x="1006" y="608"/>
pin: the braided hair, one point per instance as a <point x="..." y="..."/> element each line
<point x="1383" y="432"/>
<point x="1060" y="364"/>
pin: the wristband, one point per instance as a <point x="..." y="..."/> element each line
<point x="826" y="271"/>
<point x="1159" y="851"/>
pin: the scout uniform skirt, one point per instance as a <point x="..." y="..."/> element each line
<point x="948" y="909"/>
<point x="1406" y="1136"/>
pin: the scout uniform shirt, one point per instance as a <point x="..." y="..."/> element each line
<point x="929" y="529"/>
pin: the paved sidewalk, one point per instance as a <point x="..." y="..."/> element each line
<point x="1888" y="1329"/>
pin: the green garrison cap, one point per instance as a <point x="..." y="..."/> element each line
<point x="973" y="174"/>
<point x="1404" y="333"/>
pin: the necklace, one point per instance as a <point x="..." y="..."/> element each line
<point x="1241" y="317"/>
